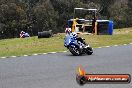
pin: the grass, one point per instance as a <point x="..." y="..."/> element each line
<point x="28" y="46"/>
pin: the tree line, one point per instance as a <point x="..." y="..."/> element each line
<point x="40" y="15"/>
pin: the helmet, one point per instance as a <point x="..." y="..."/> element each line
<point x="68" y="30"/>
<point x="22" y="32"/>
<point x="74" y="34"/>
<point x="76" y="18"/>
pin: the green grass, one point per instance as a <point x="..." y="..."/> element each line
<point x="28" y="46"/>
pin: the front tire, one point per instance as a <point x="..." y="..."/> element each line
<point x="89" y="51"/>
<point x="75" y="51"/>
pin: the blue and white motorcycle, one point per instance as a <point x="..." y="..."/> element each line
<point x="77" y="45"/>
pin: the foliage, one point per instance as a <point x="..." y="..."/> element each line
<point x="40" y="15"/>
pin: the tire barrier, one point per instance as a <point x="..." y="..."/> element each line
<point x="45" y="34"/>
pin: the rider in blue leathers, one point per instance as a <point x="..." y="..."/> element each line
<point x="69" y="33"/>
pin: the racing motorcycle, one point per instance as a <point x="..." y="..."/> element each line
<point x="77" y="45"/>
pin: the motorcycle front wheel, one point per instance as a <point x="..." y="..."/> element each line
<point x="75" y="51"/>
<point x="89" y="51"/>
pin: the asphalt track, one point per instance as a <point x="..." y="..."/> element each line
<point x="58" y="70"/>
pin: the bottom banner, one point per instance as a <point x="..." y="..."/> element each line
<point x="83" y="78"/>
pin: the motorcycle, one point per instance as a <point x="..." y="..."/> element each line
<point x="77" y="45"/>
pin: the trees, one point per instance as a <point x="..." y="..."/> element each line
<point x="12" y="17"/>
<point x="45" y="16"/>
<point x="118" y="13"/>
<point x="39" y="15"/>
<point x="129" y="13"/>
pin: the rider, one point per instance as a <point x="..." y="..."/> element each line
<point x="22" y="34"/>
<point x="75" y="35"/>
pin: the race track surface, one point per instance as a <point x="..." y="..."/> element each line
<point x="59" y="70"/>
